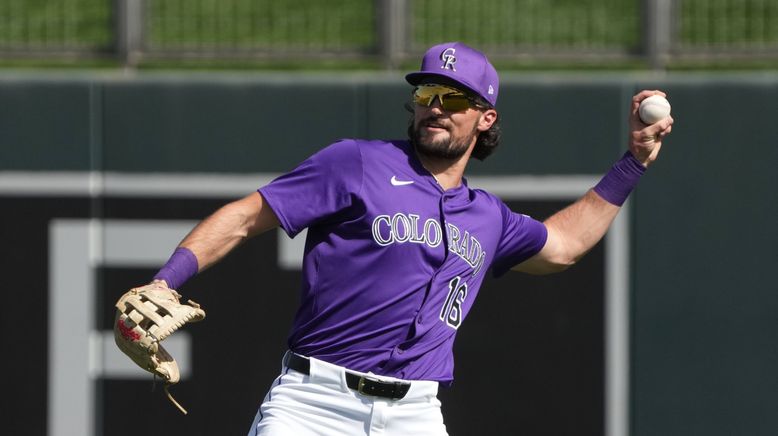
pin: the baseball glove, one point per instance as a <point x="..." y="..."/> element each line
<point x="145" y="317"/>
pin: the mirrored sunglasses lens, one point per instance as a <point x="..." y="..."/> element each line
<point x="425" y="94"/>
<point x="450" y="99"/>
<point x="455" y="103"/>
<point x="423" y="99"/>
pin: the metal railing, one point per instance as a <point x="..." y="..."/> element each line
<point x="658" y="32"/>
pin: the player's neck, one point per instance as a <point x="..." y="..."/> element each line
<point x="448" y="173"/>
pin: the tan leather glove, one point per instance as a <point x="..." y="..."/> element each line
<point x="147" y="315"/>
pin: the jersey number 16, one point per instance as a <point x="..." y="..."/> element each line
<point x="451" y="313"/>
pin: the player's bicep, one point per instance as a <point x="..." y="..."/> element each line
<point x="549" y="259"/>
<point x="259" y="216"/>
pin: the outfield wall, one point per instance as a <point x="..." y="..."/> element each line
<point x="668" y="327"/>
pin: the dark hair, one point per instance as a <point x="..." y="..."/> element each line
<point x="487" y="140"/>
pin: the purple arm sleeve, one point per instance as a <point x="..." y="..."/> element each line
<point x="181" y="266"/>
<point x="616" y="185"/>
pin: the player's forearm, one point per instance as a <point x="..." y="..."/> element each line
<point x="580" y="226"/>
<point x="573" y="231"/>
<point x="216" y="236"/>
<point x="228" y="227"/>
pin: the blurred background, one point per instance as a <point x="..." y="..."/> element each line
<point x="656" y="34"/>
<point x="123" y="123"/>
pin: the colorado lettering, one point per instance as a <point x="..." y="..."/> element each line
<point x="401" y="228"/>
<point x="467" y="247"/>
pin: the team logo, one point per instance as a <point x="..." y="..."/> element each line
<point x="448" y="59"/>
<point x="397" y="182"/>
<point x="491" y="90"/>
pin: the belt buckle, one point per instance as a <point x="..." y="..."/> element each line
<point x="361" y="384"/>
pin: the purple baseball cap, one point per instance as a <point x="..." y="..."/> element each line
<point x="461" y="64"/>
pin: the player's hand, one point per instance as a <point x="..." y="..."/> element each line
<point x="645" y="141"/>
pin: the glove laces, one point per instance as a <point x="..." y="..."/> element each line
<point x="169" y="395"/>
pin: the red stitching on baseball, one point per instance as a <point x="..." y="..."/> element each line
<point x="126" y="332"/>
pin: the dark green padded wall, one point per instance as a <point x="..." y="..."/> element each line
<point x="705" y="291"/>
<point x="45" y="125"/>
<point x="224" y="126"/>
<point x="705" y="298"/>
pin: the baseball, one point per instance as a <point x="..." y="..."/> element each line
<point x="653" y="109"/>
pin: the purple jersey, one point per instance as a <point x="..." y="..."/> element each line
<point x="393" y="263"/>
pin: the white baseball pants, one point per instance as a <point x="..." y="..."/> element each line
<point x="322" y="404"/>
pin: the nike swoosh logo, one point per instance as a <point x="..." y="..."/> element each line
<point x="396" y="182"/>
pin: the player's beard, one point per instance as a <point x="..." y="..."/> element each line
<point x="451" y="148"/>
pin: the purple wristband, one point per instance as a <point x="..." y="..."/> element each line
<point x="181" y="266"/>
<point x="616" y="185"/>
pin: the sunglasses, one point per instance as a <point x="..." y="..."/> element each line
<point x="451" y="100"/>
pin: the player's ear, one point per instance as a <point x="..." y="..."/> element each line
<point x="488" y="117"/>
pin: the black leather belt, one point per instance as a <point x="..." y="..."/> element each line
<point x="363" y="384"/>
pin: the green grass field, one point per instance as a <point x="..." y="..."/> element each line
<point x="55" y="23"/>
<point x="265" y="24"/>
<point x="349" y="25"/>
<point x="529" y="23"/>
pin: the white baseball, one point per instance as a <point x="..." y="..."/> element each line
<point x="653" y="109"/>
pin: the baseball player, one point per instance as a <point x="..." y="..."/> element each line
<point x="398" y="245"/>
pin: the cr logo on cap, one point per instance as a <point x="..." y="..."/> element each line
<point x="448" y="59"/>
